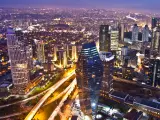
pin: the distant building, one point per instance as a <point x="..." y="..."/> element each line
<point x="20" y="59"/>
<point x="135" y="32"/>
<point x="74" y="52"/>
<point x="55" y="53"/>
<point x="114" y="40"/>
<point x="62" y="58"/>
<point x="145" y="34"/>
<point x="108" y="62"/>
<point x="40" y="51"/>
<point x="155" y="22"/>
<point x="105" y="38"/>
<point x="89" y="73"/>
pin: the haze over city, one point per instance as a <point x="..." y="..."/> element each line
<point x="142" y="5"/>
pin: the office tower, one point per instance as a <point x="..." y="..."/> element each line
<point x="121" y="32"/>
<point x="114" y="40"/>
<point x="155" y="22"/>
<point x="154" y="72"/>
<point x="40" y="51"/>
<point x="29" y="54"/>
<point x="104" y="38"/>
<point x="19" y="60"/>
<point x="156" y="40"/>
<point x="135" y="32"/>
<point x="124" y="56"/>
<point x="145" y="34"/>
<point x="74" y="52"/>
<point x="89" y="71"/>
<point x="65" y="59"/>
<point x="62" y="58"/>
<point x="55" y="53"/>
<point x="107" y="59"/>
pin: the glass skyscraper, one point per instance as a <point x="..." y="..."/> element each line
<point x="89" y="74"/>
<point x="20" y="55"/>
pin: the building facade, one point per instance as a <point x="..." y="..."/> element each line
<point x="135" y="32"/>
<point x="20" y="60"/>
<point x="105" y="38"/>
<point x="107" y="59"/>
<point x="89" y="73"/>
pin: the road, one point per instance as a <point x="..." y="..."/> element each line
<point x="45" y="97"/>
<point x="58" y="108"/>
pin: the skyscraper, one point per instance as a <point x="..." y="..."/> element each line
<point x="105" y="38"/>
<point x="145" y="34"/>
<point x="156" y="40"/>
<point x="135" y="32"/>
<point x="155" y="22"/>
<point x="89" y="73"/>
<point x="55" y="53"/>
<point x="40" y="51"/>
<point x="154" y="72"/>
<point x="74" y="52"/>
<point x="121" y="32"/>
<point x="108" y="62"/>
<point x="114" y="40"/>
<point x="19" y="55"/>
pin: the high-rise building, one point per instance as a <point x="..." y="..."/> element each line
<point x="62" y="58"/>
<point x="105" y="38"/>
<point x="74" y="52"/>
<point x="156" y="40"/>
<point x="20" y="60"/>
<point x="121" y="32"/>
<point x="154" y="72"/>
<point x="114" y="40"/>
<point x="55" y="53"/>
<point x="89" y="73"/>
<point x="40" y="51"/>
<point x="145" y="34"/>
<point x="155" y="22"/>
<point x="108" y="62"/>
<point x="135" y="32"/>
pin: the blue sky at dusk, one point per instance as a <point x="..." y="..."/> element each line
<point x="130" y="4"/>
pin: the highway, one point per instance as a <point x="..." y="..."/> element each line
<point x="58" y="108"/>
<point x="45" y="97"/>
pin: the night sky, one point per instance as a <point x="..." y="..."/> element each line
<point x="150" y="5"/>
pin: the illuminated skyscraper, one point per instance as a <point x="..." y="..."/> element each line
<point x="40" y="51"/>
<point x="20" y="60"/>
<point x="114" y="40"/>
<point x="105" y="38"/>
<point x="89" y="73"/>
<point x="135" y="32"/>
<point x="74" y="52"/>
<point x="62" y="58"/>
<point x="156" y="40"/>
<point x="55" y="53"/>
<point x="145" y="34"/>
<point x="108" y="62"/>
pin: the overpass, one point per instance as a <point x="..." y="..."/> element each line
<point x="46" y="96"/>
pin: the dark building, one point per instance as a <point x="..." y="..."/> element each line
<point x="155" y="22"/>
<point x="105" y="38"/>
<point x="89" y="77"/>
<point x="108" y="62"/>
<point x="154" y="72"/>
